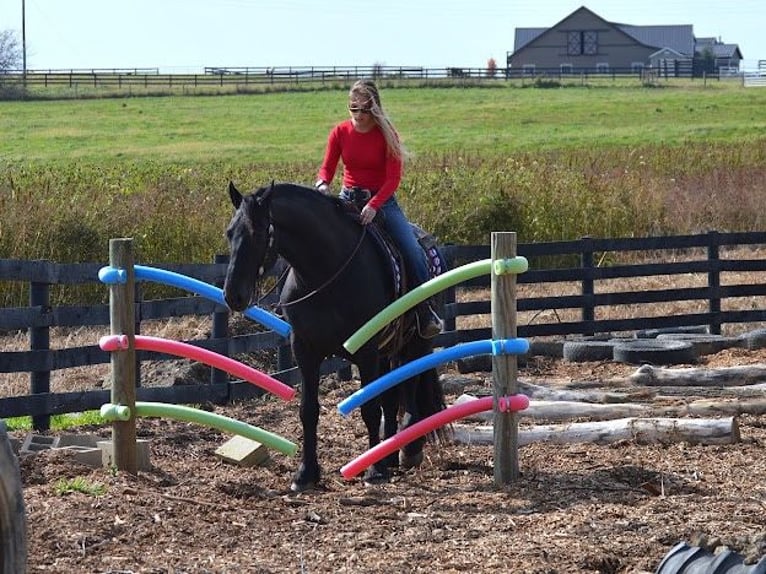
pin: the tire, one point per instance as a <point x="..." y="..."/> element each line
<point x="754" y="339"/>
<point x="13" y="523"/>
<point x="654" y="352"/>
<point x="584" y="351"/>
<point x="691" y="330"/>
<point x="546" y="348"/>
<point x="685" y="559"/>
<point x="703" y="344"/>
<point x="482" y="364"/>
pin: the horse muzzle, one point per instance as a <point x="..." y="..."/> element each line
<point x="236" y="301"/>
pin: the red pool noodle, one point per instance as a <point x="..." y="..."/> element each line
<point x="453" y="413"/>
<point x="144" y="343"/>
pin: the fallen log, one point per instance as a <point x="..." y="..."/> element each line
<point x="557" y="411"/>
<point x="649" y="375"/>
<point x="544" y="393"/>
<point x="566" y="410"/>
<point x="640" y="430"/>
<point x="735" y="406"/>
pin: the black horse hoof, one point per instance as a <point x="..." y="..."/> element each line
<point x="296" y="486"/>
<point x="376" y="474"/>
<point x="410" y="460"/>
<point x="305" y="479"/>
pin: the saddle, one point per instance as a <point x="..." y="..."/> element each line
<point x="354" y="200"/>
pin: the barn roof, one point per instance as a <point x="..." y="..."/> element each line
<point x="677" y="37"/>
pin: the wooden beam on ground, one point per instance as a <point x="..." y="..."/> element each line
<point x="640" y="430"/>
<point x="699" y="377"/>
<point x="567" y="410"/>
<point x="557" y="411"/>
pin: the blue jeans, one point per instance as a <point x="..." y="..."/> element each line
<point x="400" y="230"/>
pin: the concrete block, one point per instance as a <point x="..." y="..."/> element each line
<point x="15" y="445"/>
<point x="243" y="451"/>
<point x="142" y="454"/>
<point x="83" y="440"/>
<point x="35" y="443"/>
<point x="90" y="456"/>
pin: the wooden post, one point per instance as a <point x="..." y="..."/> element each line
<point x="121" y="317"/>
<point x="504" y="367"/>
<point x="39" y="340"/>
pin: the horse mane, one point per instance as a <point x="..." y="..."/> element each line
<point x="265" y="193"/>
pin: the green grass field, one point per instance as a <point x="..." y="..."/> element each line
<point x="551" y="164"/>
<point x="280" y="128"/>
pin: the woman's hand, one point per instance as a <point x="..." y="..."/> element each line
<point x="322" y="187"/>
<point x="368" y="214"/>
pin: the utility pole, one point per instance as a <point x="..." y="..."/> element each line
<point x="24" y="42"/>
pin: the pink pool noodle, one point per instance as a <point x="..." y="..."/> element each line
<point x="144" y="343"/>
<point x="453" y="413"/>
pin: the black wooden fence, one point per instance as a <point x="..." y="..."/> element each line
<point x="719" y="260"/>
<point x="244" y="77"/>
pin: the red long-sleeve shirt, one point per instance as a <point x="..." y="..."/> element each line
<point x="366" y="161"/>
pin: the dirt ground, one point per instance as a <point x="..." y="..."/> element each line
<point x="576" y="508"/>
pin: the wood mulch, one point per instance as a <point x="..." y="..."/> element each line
<point x="576" y="508"/>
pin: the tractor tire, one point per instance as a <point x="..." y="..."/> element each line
<point x="686" y="559"/>
<point x="703" y="344"/>
<point x="13" y="522"/>
<point x="655" y="352"/>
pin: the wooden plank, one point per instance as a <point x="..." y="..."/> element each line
<point x="51" y="360"/>
<point x="79" y="401"/>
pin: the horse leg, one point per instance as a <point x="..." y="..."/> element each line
<point x="423" y="397"/>
<point x="308" y="473"/>
<point x="390" y="404"/>
<point x="371" y="415"/>
<point x="411" y="454"/>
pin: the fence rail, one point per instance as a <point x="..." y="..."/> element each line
<point x="595" y="305"/>
<point x="220" y="76"/>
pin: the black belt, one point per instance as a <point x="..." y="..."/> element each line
<point x="356" y="194"/>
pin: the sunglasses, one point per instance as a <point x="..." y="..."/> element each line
<point x="355" y="110"/>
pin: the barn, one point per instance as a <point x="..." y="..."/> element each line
<point x="584" y="42"/>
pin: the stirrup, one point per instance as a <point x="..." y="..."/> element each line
<point x="430" y="325"/>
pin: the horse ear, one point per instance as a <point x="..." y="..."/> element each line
<point x="265" y="193"/>
<point x="235" y="195"/>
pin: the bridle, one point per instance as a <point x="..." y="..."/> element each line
<point x="324" y="285"/>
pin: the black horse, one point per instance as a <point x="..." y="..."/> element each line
<point x="339" y="278"/>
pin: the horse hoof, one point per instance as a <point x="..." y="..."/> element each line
<point x="376" y="475"/>
<point x="306" y="478"/>
<point x="296" y="486"/>
<point x="410" y="460"/>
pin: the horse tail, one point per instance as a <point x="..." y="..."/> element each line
<point x="430" y="400"/>
<point x="429" y="396"/>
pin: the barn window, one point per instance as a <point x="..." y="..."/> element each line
<point x="590" y="43"/>
<point x="582" y="43"/>
<point x="574" y="45"/>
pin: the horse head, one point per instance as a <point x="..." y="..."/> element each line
<point x="252" y="253"/>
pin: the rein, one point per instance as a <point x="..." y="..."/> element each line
<point x="331" y="279"/>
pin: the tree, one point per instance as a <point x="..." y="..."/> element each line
<point x="703" y="62"/>
<point x="491" y="68"/>
<point x="10" y="51"/>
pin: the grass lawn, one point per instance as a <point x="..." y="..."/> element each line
<point x="284" y="128"/>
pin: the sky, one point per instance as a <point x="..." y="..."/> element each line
<point x="187" y="35"/>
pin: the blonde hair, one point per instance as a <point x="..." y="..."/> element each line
<point x="366" y="89"/>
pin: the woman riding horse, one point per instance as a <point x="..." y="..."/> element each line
<point x="339" y="278"/>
